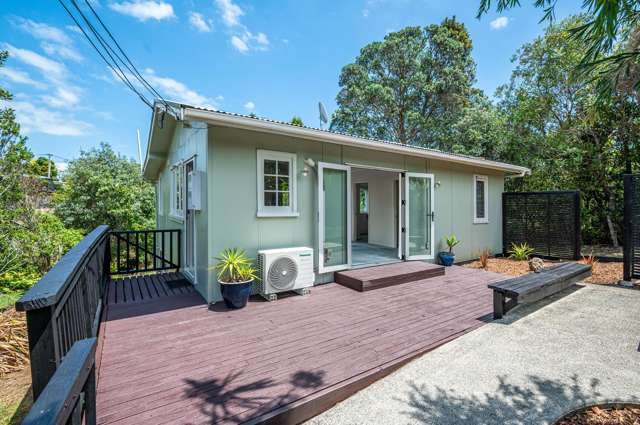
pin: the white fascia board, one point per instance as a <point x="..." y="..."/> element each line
<point x="249" y="123"/>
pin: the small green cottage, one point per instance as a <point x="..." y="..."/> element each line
<point x="230" y="180"/>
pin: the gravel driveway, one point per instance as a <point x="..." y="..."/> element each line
<point x="539" y="362"/>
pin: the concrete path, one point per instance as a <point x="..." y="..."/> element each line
<point x="539" y="362"/>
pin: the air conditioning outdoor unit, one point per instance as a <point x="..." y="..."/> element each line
<point x="286" y="269"/>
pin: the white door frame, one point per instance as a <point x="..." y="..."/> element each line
<point x="400" y="215"/>
<point x="406" y="216"/>
<point x="189" y="269"/>
<point x="338" y="267"/>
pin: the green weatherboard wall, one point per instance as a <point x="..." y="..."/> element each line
<point x="228" y="217"/>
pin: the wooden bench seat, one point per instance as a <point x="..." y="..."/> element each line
<point x="535" y="286"/>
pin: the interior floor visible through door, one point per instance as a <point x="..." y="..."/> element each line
<point x="363" y="254"/>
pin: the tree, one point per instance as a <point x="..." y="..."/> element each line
<point x="410" y="87"/>
<point x="40" y="167"/>
<point x="296" y="120"/>
<point x="610" y="37"/>
<point x="14" y="157"/>
<point x="102" y="187"/>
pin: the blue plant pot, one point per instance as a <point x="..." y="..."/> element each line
<point x="446" y="258"/>
<point x="236" y="295"/>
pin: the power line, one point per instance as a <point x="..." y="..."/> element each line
<point x="119" y="73"/>
<point x="135" y="70"/>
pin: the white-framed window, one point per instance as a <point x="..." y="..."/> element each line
<point x="177" y="191"/>
<point x="276" y="184"/>
<point x="160" y="197"/>
<point x="480" y="199"/>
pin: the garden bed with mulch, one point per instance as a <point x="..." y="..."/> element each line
<point x="601" y="274"/>
<point x="604" y="415"/>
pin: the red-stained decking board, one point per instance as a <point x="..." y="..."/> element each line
<point x="173" y="359"/>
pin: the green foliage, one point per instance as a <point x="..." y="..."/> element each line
<point x="297" y="121"/>
<point x="40" y="167"/>
<point x="234" y="266"/>
<point x="451" y="241"/>
<point x="410" y="88"/>
<point x="102" y="187"/>
<point x="608" y="39"/>
<point x="17" y="281"/>
<point x="520" y="252"/>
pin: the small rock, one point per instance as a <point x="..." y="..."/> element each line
<point x="536" y="265"/>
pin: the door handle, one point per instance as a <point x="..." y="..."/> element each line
<point x="433" y="216"/>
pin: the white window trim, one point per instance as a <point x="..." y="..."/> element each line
<point x="269" y="211"/>
<point x="485" y="219"/>
<point x="175" y="212"/>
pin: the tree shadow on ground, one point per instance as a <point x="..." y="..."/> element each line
<point x="541" y="399"/>
<point x="230" y="398"/>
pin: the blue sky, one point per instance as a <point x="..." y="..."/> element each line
<point x="275" y="58"/>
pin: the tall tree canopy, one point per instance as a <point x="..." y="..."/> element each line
<point x="102" y="187"/>
<point x="410" y="87"/>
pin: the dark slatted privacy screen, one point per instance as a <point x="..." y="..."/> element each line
<point x="548" y="221"/>
<point x="480" y="199"/>
<point x="631" y="226"/>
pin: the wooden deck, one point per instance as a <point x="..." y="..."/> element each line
<point x="174" y="360"/>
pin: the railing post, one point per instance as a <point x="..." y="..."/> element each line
<point x="179" y="249"/>
<point x="627" y="238"/>
<point x="41" y="347"/>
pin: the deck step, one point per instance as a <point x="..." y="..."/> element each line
<point x="369" y="278"/>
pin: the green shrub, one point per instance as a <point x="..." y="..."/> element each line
<point x="520" y="252"/>
<point x="17" y="281"/>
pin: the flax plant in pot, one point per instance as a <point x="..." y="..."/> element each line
<point x="236" y="274"/>
<point x="447" y="258"/>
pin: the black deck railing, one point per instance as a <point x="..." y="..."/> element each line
<point x="138" y="251"/>
<point x="65" y="308"/>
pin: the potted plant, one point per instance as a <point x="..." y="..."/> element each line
<point x="447" y="258"/>
<point x="236" y="275"/>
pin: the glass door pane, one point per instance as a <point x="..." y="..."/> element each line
<point x="335" y="217"/>
<point x="419" y="221"/>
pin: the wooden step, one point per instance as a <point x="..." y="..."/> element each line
<point x="369" y="278"/>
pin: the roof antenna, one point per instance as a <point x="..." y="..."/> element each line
<point x="323" y="114"/>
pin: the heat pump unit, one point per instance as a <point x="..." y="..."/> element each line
<point x="287" y="269"/>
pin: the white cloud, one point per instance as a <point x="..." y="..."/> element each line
<point x="64" y="97"/>
<point x="34" y="119"/>
<point x="499" y="23"/>
<point x="230" y="12"/>
<point x="239" y="44"/>
<point x="249" y="106"/>
<point x="198" y="22"/>
<point x="45" y="65"/>
<point x="20" y="77"/>
<point x="242" y="39"/>
<point x="43" y="31"/>
<point x="175" y="90"/>
<point x="62" y="166"/>
<point x="144" y="9"/>
<point x="64" y="52"/>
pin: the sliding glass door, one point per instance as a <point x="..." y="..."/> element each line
<point x="334" y="217"/>
<point x="419" y="216"/>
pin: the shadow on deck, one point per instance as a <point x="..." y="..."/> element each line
<point x="171" y="358"/>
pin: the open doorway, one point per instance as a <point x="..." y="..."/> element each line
<point x="375" y="237"/>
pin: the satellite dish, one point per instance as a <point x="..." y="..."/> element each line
<point x="323" y="114"/>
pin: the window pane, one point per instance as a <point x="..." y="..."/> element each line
<point x="269" y="166"/>
<point x="270" y="199"/>
<point x="419" y="216"/>
<point x="283" y="183"/>
<point x="269" y="183"/>
<point x="283" y="168"/>
<point x="283" y="199"/>
<point x="480" y="213"/>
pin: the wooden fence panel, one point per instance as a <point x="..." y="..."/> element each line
<point x="549" y="222"/>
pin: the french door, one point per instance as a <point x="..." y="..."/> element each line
<point x="418" y="216"/>
<point x="334" y="217"/>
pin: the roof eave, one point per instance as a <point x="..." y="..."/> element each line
<point x="250" y="123"/>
